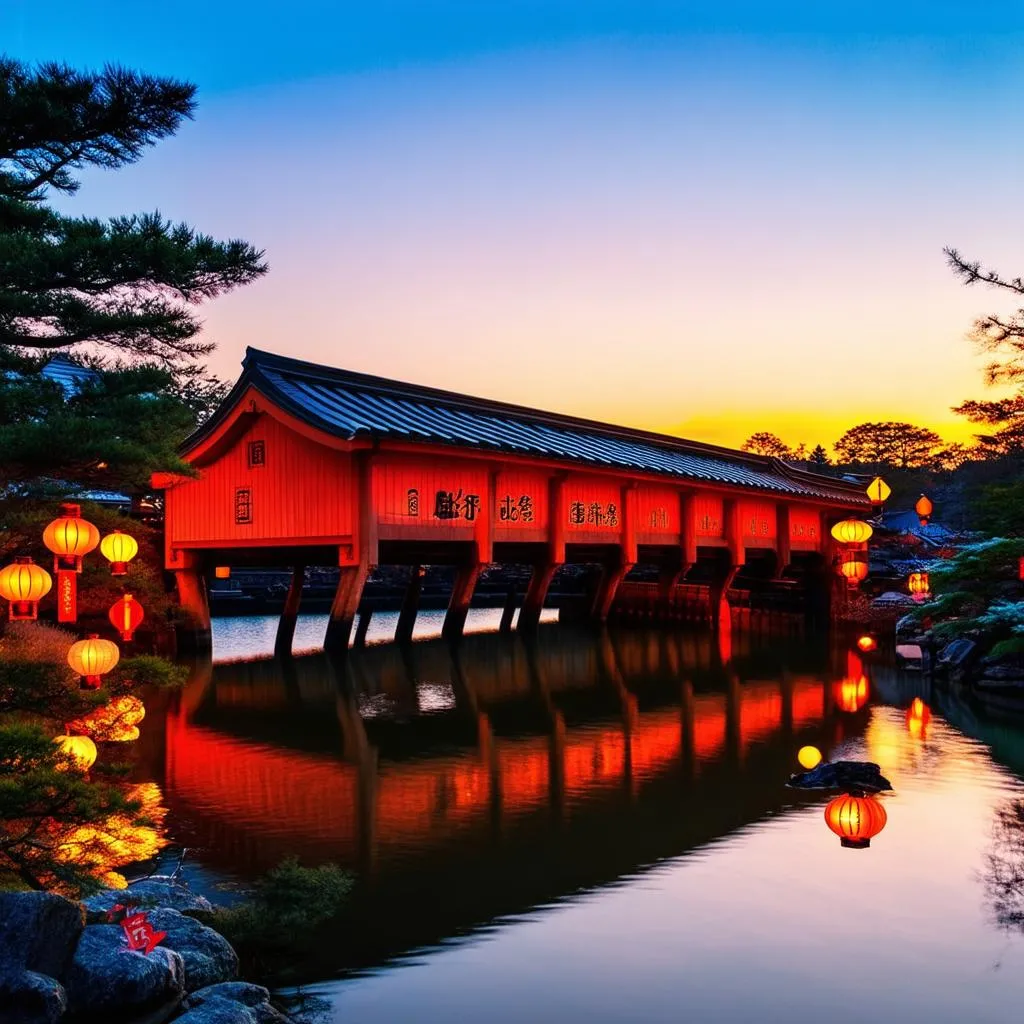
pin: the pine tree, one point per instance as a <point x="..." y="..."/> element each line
<point x="819" y="456"/>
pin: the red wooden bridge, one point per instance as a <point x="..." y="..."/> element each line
<point x="308" y="465"/>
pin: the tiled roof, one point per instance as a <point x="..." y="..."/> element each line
<point x="351" y="405"/>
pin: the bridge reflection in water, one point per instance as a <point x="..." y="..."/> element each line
<point x="469" y="784"/>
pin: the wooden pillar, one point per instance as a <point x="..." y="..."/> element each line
<point x="462" y="595"/>
<point x="508" y="613"/>
<point x="344" y="608"/>
<point x="289" y="614"/>
<point x="197" y="637"/>
<point x="365" y="615"/>
<point x="718" y="594"/>
<point x="536" y="594"/>
<point x="410" y="607"/>
<point x="611" y="576"/>
<point x="783" y="539"/>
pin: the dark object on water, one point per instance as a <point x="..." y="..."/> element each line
<point x="850" y="776"/>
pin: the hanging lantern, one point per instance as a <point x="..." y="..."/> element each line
<point x="919" y="717"/>
<point x="809" y="757"/>
<point x="92" y="658"/>
<point x="22" y="584"/>
<point x="879" y="491"/>
<point x="851" y="694"/>
<point x="80" y="748"/>
<point x="222" y="572"/>
<point x="70" y="537"/>
<point x="125" y="616"/>
<point x="923" y="508"/>
<point x="852" y="531"/>
<point x="854" y="571"/>
<point x="867" y="643"/>
<point x="855" y="819"/>
<point x="119" y="549"/>
<point x="917" y="584"/>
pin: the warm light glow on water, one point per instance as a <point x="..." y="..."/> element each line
<point x="598" y="829"/>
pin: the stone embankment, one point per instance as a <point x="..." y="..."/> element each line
<point x="62" y="961"/>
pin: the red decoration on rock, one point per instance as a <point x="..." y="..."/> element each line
<point x="140" y="934"/>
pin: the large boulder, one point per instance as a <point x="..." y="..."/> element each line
<point x="107" y="981"/>
<point x="849" y="776"/>
<point x="254" y="997"/>
<point x="207" y="955"/>
<point x="38" y="932"/>
<point x="27" y="997"/>
<point x="218" y="1011"/>
<point x="157" y="891"/>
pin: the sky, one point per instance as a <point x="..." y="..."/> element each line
<point x="705" y="219"/>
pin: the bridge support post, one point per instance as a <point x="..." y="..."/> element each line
<point x="536" y="595"/>
<point x="344" y="607"/>
<point x="718" y="595"/>
<point x="508" y="613"/>
<point x="289" y="614"/>
<point x="410" y="606"/>
<point x="198" y="637"/>
<point x="365" y="615"/>
<point x="462" y="595"/>
<point x="611" y="576"/>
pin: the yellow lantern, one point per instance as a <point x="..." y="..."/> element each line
<point x="80" y="748"/>
<point x="854" y="571"/>
<point x="923" y="508"/>
<point x="119" y="549"/>
<point x="879" y="491"/>
<point x="22" y="584"/>
<point x="92" y="658"/>
<point x="809" y="757"/>
<point x="867" y="643"/>
<point x="70" y="537"/>
<point x="852" y="531"/>
<point x="917" y="584"/>
<point x="222" y="572"/>
<point x="855" y="819"/>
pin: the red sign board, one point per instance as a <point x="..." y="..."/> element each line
<point x="67" y="595"/>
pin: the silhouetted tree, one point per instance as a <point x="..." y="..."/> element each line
<point x="901" y="445"/>
<point x="766" y="443"/>
<point x="819" y="456"/>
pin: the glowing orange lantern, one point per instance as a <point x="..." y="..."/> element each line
<point x="919" y="717"/>
<point x="23" y="583"/>
<point x="80" y="748"/>
<point x="917" y="584"/>
<point x="851" y="694"/>
<point x="855" y="819"/>
<point x="126" y="615"/>
<point x="222" y="572"/>
<point x="879" y="491"/>
<point x="852" y="531"/>
<point x="854" y="571"/>
<point x="92" y="658"/>
<point x="119" y="549"/>
<point x="867" y="643"/>
<point x="923" y="508"/>
<point x="70" y="537"/>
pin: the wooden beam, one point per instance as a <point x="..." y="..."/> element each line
<point x="458" y="607"/>
<point x="344" y="607"/>
<point x="783" y="538"/>
<point x="289" y="614"/>
<point x="611" y="576"/>
<point x="536" y="594"/>
<point x="363" y="627"/>
<point x="688" y="528"/>
<point x="197" y="636"/>
<point x="508" y="612"/>
<point x="410" y="606"/>
<point x="733" y="532"/>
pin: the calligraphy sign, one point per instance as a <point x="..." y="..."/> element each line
<point x="67" y="595"/>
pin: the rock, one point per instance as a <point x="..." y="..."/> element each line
<point x="1003" y="671"/>
<point x="846" y="775"/>
<point x="158" y="891"/>
<point x="958" y="653"/>
<point x="107" y="981"/>
<point x="38" y="932"/>
<point x="27" y="997"/>
<point x="218" y="1011"/>
<point x="255" y="997"/>
<point x="207" y="955"/>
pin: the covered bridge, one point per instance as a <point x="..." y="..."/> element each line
<point x="305" y="464"/>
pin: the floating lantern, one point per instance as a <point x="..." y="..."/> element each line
<point x="854" y="571"/>
<point x="222" y="572"/>
<point x="867" y="643"/>
<point x="126" y="615"/>
<point x="80" y="748"/>
<point x="923" y="508"/>
<point x="851" y="694"/>
<point x="879" y="491"/>
<point x="855" y="819"/>
<point x="919" y="717"/>
<point x="22" y="584"/>
<point x="809" y="757"/>
<point x="119" y="549"/>
<point x="93" y="658"/>
<point x="852" y="531"/>
<point x="917" y="584"/>
<point x="70" y="537"/>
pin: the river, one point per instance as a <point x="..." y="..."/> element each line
<point x="598" y="828"/>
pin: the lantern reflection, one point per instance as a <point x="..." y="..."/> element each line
<point x="80" y="749"/>
<point x="919" y="717"/>
<point x="854" y="571"/>
<point x="855" y="819"/>
<point x="851" y="694"/>
<point x="116" y="722"/>
<point x="919" y="586"/>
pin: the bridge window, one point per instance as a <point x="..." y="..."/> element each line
<point x="243" y="505"/>
<point x="257" y="453"/>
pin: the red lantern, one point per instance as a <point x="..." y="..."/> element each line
<point x="923" y="508"/>
<point x="918" y="585"/>
<point x="22" y="584"/>
<point x="855" y="819"/>
<point x="126" y="615"/>
<point x="854" y="571"/>
<point x="867" y="643"/>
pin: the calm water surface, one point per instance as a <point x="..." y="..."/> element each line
<point x="598" y="829"/>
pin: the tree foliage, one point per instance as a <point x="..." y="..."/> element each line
<point x="766" y="443"/>
<point x="878" y="445"/>
<point x="819" y="457"/>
